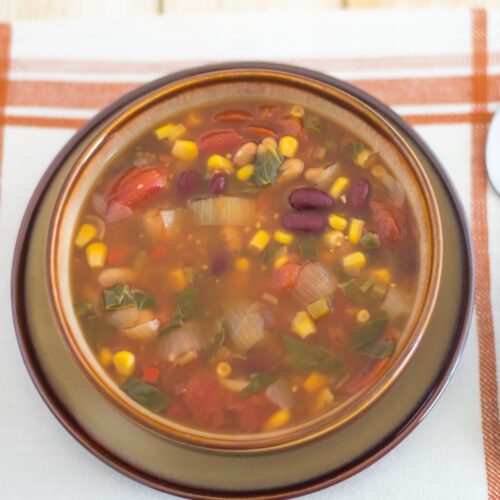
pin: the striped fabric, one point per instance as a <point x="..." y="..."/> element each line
<point x="439" y="69"/>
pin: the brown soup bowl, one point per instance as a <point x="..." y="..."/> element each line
<point x="151" y="106"/>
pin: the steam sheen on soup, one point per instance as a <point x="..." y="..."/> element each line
<point x="244" y="267"/>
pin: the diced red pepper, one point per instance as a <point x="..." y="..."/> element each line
<point x="136" y="185"/>
<point x="285" y="277"/>
<point x="259" y="131"/>
<point x="222" y="141"/>
<point x="251" y="412"/>
<point x="150" y="374"/>
<point x="158" y="252"/>
<point x="117" y="256"/>
<point x="233" y="115"/>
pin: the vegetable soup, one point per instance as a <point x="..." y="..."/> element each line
<point x="245" y="266"/>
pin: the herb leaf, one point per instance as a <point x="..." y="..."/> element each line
<point x="304" y="357"/>
<point x="188" y="303"/>
<point x="307" y="248"/>
<point x="379" y="349"/>
<point x="257" y="382"/>
<point x="142" y="299"/>
<point x="367" y="333"/>
<point x="354" y="292"/>
<point x="117" y="296"/>
<point x="146" y="395"/>
<point x="267" y="165"/>
<point x="84" y="309"/>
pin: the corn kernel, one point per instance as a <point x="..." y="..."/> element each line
<point x="337" y="222"/>
<point x="185" y="150"/>
<point x="85" y="235"/>
<point x="270" y="299"/>
<point x="283" y="237"/>
<point x="323" y="399"/>
<point x="105" y="356"/>
<point x="303" y="325"/>
<point x="288" y="146"/>
<point x="362" y="157"/>
<point x="186" y="358"/>
<point x="280" y="261"/>
<point x="355" y="260"/>
<point x="96" y="254"/>
<point x="124" y="363"/>
<point x="333" y="239"/>
<point x="242" y="264"/>
<point x="297" y="111"/>
<point x="171" y="131"/>
<point x="218" y="162"/>
<point x="319" y="308"/>
<point x="245" y="173"/>
<point x="277" y="420"/>
<point x="362" y="316"/>
<point x="315" y="382"/>
<point x="260" y="240"/>
<point x="382" y="275"/>
<point x="223" y="369"/>
<point x="339" y="187"/>
<point x="378" y="171"/>
<point x="178" y="279"/>
<point x="356" y="231"/>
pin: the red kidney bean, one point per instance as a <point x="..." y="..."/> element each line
<point x="358" y="197"/>
<point x="219" y="264"/>
<point x="306" y="223"/>
<point x="188" y="180"/>
<point x="217" y="183"/>
<point x="310" y="199"/>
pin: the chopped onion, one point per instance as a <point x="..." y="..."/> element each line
<point x="245" y="325"/>
<point x="394" y="188"/>
<point x="223" y="210"/>
<point x="236" y="385"/>
<point x="112" y="275"/>
<point x="99" y="204"/>
<point x="325" y="178"/>
<point x="314" y="282"/>
<point x="172" y="218"/>
<point x="98" y="223"/>
<point x="122" y="318"/>
<point x="145" y="332"/>
<point x="394" y="304"/>
<point x="280" y="393"/>
<point x="117" y="211"/>
<point x="186" y="338"/>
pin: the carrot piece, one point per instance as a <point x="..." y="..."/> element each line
<point x="158" y="252"/>
<point x="285" y="277"/>
<point x="150" y="374"/>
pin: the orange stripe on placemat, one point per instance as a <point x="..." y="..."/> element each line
<point x="5" y="35"/>
<point x="486" y="339"/>
<point x="45" y="121"/>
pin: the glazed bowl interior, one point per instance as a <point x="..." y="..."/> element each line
<point x="154" y="109"/>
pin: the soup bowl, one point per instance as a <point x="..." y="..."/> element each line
<point x="335" y="100"/>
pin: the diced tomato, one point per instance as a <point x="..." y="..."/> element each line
<point x="285" y="277"/>
<point x="390" y="221"/>
<point x="372" y="372"/>
<point x="233" y="115"/>
<point x="204" y="397"/>
<point x="158" y="252"/>
<point x="136" y="185"/>
<point x="251" y="412"/>
<point x="150" y="374"/>
<point x="259" y="131"/>
<point x="222" y="141"/>
<point x="117" y="256"/>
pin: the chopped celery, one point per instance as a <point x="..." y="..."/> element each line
<point x="354" y="292"/>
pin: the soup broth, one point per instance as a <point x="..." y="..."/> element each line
<point x="244" y="267"/>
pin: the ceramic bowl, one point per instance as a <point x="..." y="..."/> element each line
<point x="328" y="97"/>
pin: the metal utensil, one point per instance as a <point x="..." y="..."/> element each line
<point x="493" y="151"/>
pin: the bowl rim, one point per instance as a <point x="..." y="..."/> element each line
<point x="310" y="429"/>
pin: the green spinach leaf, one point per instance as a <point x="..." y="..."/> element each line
<point x="379" y="349"/>
<point x="312" y="123"/>
<point x="117" y="296"/>
<point x="370" y="241"/>
<point x="267" y="165"/>
<point x="354" y="292"/>
<point x="258" y="381"/>
<point x="84" y="309"/>
<point x="306" y="358"/>
<point x="142" y="299"/>
<point x="370" y="331"/>
<point x="217" y="342"/>
<point x="307" y="247"/>
<point x="187" y="305"/>
<point x="146" y="395"/>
